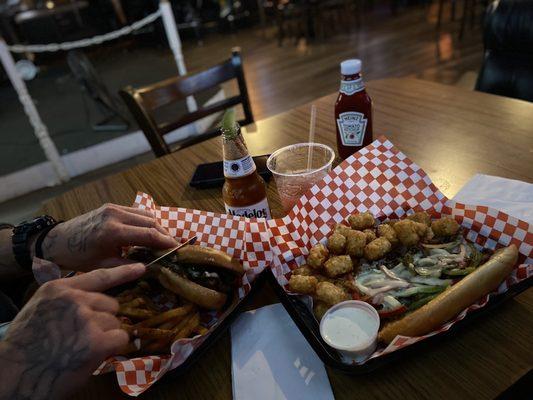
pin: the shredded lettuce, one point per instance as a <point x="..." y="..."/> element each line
<point x="418" y="290"/>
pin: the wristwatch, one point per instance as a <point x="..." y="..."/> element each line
<point x="23" y="232"/>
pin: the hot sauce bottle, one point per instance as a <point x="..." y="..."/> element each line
<point x="353" y="111"/>
<point x="244" y="191"/>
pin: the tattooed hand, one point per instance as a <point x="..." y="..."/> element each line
<point x="62" y="334"/>
<point x="97" y="238"/>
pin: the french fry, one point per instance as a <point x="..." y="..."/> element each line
<point x="125" y="297"/>
<point x="136" y="313"/>
<point x="149" y="303"/>
<point x="165" y="316"/>
<point x="200" y="330"/>
<point x="147" y="333"/>
<point x="171" y="324"/>
<point x="134" y="303"/>
<point x="191" y="323"/>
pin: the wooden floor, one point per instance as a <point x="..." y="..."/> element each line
<point x="389" y="46"/>
<point x="280" y="78"/>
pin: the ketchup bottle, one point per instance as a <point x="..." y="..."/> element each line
<point x="353" y="111"/>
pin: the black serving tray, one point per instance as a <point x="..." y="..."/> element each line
<point x="309" y="327"/>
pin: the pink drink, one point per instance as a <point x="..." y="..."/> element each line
<point x="289" y="167"/>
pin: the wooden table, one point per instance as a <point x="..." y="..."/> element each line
<point x="452" y="134"/>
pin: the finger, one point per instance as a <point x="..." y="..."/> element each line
<point x="105" y="321"/>
<point x="149" y="237"/>
<point x="103" y="279"/>
<point x="100" y="302"/>
<point x="113" y="340"/>
<point x="114" y="262"/>
<point x="138" y="211"/>
<point x="141" y="220"/>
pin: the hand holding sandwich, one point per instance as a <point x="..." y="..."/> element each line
<point x="97" y="237"/>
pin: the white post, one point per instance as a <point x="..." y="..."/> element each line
<point x="175" y="44"/>
<point x="41" y="132"/>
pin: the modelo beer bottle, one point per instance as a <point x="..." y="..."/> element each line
<point x="244" y="191"/>
<point x="353" y="111"/>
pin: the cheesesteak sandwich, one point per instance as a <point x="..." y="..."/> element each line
<point x="454" y="299"/>
<point x="202" y="275"/>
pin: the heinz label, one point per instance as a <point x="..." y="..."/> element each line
<point x="352" y="127"/>
<point x="258" y="210"/>
<point x="351" y="87"/>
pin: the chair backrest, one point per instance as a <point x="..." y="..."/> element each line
<point x="507" y="68"/>
<point x="144" y="101"/>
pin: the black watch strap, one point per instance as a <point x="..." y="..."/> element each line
<point x="40" y="240"/>
<point x="21" y="235"/>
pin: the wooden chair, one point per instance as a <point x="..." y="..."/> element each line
<point x="145" y="101"/>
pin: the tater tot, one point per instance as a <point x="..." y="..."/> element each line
<point x="303" y="284"/>
<point x="445" y="226"/>
<point x="388" y="233"/>
<point x="330" y="294"/>
<point x="304" y="270"/>
<point x="319" y="309"/>
<point x="422" y="217"/>
<point x="409" y="232"/>
<point x="342" y="229"/>
<point x="355" y="243"/>
<point x="370" y="235"/>
<point x="376" y="249"/>
<point x="317" y="256"/>
<point x="337" y="243"/>
<point x="322" y="278"/>
<point x="338" y="265"/>
<point x="361" y="221"/>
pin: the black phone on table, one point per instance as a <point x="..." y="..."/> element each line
<point x="212" y="174"/>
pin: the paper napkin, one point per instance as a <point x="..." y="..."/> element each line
<point x="271" y="359"/>
<point x="512" y="197"/>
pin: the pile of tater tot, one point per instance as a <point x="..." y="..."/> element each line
<point x="329" y="273"/>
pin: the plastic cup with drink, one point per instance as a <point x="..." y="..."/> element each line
<point x="297" y="168"/>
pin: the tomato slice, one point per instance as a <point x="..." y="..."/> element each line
<point x="384" y="314"/>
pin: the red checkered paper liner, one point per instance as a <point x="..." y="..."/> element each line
<point x="243" y="238"/>
<point x="382" y="180"/>
<point x="379" y="178"/>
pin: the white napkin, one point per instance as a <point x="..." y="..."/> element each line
<point x="271" y="359"/>
<point x="512" y="197"/>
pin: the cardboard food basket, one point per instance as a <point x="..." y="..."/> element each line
<point x="379" y="178"/>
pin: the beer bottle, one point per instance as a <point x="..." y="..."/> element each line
<point x="353" y="111"/>
<point x="244" y="191"/>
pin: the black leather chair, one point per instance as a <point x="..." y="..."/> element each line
<point x="507" y="68"/>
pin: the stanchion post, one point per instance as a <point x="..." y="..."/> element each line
<point x="175" y="44"/>
<point x="41" y="132"/>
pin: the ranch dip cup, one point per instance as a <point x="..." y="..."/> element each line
<point x="351" y="327"/>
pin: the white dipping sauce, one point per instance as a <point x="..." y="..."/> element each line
<point x="349" y="327"/>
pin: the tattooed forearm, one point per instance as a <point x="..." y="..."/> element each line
<point x="41" y="351"/>
<point x="80" y="234"/>
<point x="49" y="244"/>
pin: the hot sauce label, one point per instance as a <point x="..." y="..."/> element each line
<point x="240" y="167"/>
<point x="352" y="128"/>
<point x="258" y="210"/>
<point x="350" y="87"/>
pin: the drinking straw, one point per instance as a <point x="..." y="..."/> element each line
<point x="312" y="125"/>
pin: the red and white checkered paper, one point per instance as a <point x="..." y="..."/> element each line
<point x="380" y="179"/>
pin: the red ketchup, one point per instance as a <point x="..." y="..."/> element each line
<point x="353" y="111"/>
